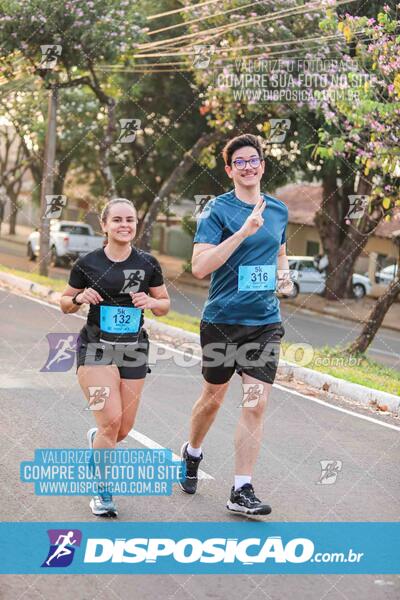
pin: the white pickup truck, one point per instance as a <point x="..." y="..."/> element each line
<point x="68" y="240"/>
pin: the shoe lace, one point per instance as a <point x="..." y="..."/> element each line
<point x="248" y="491"/>
<point x="191" y="467"/>
<point x="105" y="496"/>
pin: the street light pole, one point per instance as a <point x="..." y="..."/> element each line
<point x="47" y="181"/>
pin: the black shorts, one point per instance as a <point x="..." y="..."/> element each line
<point x="96" y="353"/>
<point x="253" y="350"/>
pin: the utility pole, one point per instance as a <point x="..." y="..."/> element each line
<point x="47" y="181"/>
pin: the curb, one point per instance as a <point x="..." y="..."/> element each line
<point x="324" y="382"/>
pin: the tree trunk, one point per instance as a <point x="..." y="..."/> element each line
<point x="59" y="180"/>
<point x="104" y="153"/>
<point x="105" y="145"/>
<point x="343" y="243"/>
<point x="13" y="189"/>
<point x="13" y="215"/>
<point x="170" y="184"/>
<point x="376" y="316"/>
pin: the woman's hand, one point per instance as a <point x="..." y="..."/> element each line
<point x="142" y="300"/>
<point x="89" y="296"/>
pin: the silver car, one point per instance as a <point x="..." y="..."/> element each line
<point x="309" y="280"/>
<point x="387" y="275"/>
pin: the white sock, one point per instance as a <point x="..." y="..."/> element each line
<point x="240" y="480"/>
<point x="195" y="452"/>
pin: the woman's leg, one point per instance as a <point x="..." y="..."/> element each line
<point x="130" y="391"/>
<point x="108" y="419"/>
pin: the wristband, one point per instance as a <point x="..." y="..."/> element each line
<point x="74" y="300"/>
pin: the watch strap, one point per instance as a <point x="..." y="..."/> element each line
<point x="74" y="300"/>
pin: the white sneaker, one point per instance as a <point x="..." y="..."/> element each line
<point x="103" y="505"/>
<point x="90" y="436"/>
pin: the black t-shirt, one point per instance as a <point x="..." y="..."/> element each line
<point x="113" y="281"/>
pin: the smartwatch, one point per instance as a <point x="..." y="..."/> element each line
<point x="74" y="300"/>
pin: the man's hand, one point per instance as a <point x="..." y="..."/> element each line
<point x="254" y="221"/>
<point x="285" y="284"/>
<point x="142" y="300"/>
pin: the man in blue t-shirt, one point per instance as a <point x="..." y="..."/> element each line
<point x="241" y="241"/>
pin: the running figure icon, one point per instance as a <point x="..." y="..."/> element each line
<point x="64" y="346"/>
<point x="62" y="549"/>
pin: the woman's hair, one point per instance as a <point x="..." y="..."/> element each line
<point x="106" y="211"/>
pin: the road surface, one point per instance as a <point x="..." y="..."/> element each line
<point x="48" y="410"/>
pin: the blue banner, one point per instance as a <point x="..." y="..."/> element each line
<point x="199" y="548"/>
<point x="77" y="472"/>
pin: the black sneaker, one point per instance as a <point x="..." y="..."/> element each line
<point x="244" y="500"/>
<point x="189" y="483"/>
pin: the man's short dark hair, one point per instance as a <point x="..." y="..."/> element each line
<point x="240" y="141"/>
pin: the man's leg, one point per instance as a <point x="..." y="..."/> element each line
<point x="249" y="429"/>
<point x="248" y="439"/>
<point x="203" y="415"/>
<point x="205" y="411"/>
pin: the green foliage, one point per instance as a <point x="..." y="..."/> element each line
<point x="189" y="225"/>
<point x="88" y="32"/>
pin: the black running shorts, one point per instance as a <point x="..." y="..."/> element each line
<point x="131" y="360"/>
<point x="253" y="350"/>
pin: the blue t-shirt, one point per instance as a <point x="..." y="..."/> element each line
<point x="227" y="301"/>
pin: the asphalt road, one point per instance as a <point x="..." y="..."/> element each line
<point x="40" y="410"/>
<point x="300" y="327"/>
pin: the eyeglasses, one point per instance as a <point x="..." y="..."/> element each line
<point x="240" y="163"/>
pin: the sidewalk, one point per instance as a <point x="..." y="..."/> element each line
<point x="351" y="310"/>
<point x="21" y="237"/>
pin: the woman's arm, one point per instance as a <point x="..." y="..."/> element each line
<point x="85" y="296"/>
<point x="157" y="301"/>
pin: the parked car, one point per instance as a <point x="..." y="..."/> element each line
<point x="310" y="280"/>
<point x="68" y="240"/>
<point x="387" y="275"/>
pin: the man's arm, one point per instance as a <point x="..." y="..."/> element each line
<point x="285" y="284"/>
<point x="283" y="263"/>
<point x="207" y="258"/>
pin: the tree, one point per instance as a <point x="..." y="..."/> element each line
<point x="361" y="136"/>
<point x="62" y="44"/>
<point x="378" y="311"/>
<point x="188" y="159"/>
<point x="166" y="158"/>
<point x="327" y="137"/>
<point x="12" y="170"/>
<point x="78" y="131"/>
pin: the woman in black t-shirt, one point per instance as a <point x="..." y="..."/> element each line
<point x="118" y="282"/>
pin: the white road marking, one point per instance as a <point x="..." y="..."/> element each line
<point x="278" y="386"/>
<point x="339" y="408"/>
